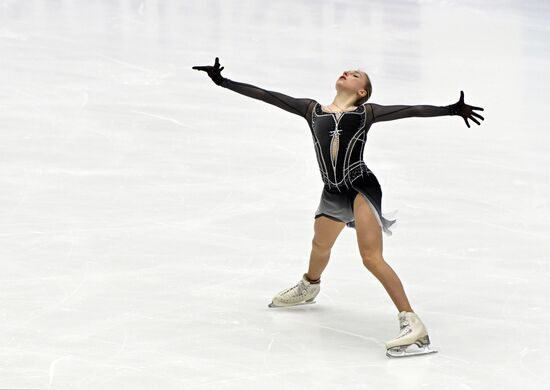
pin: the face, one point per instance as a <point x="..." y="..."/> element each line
<point x="352" y="81"/>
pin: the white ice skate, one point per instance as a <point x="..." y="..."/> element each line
<point x="412" y="340"/>
<point x="303" y="293"/>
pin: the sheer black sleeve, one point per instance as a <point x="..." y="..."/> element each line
<point x="299" y="106"/>
<point x="389" y="113"/>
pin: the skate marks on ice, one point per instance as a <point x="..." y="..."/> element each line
<point x="421" y="347"/>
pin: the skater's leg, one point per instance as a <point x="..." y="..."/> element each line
<point x="369" y="238"/>
<point x="326" y="231"/>
<point x="305" y="291"/>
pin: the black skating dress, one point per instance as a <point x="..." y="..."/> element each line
<point x="339" y="140"/>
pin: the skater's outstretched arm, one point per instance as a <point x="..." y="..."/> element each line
<point x="389" y="113"/>
<point x="381" y="113"/>
<point x="298" y="106"/>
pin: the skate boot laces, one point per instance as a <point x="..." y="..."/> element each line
<point x="297" y="290"/>
<point x="404" y="325"/>
<point x="405" y="330"/>
<point x="403" y="321"/>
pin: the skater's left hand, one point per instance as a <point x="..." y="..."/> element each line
<point x="465" y="111"/>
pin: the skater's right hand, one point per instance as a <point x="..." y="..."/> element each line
<point x="213" y="71"/>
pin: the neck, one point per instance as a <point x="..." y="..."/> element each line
<point x="344" y="101"/>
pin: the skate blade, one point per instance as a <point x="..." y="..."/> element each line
<point x="411" y="350"/>
<point x="294" y="304"/>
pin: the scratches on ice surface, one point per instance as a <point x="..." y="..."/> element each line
<point x="371" y="339"/>
<point x="132" y="74"/>
<point x="51" y="370"/>
<point x="164" y="118"/>
<point x="127" y="64"/>
<point x="58" y="305"/>
<point x="337" y="330"/>
<point x="270" y="344"/>
<point x="85" y="98"/>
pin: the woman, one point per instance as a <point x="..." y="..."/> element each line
<point x="339" y="133"/>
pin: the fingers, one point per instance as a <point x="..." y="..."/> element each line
<point x="469" y="110"/>
<point x="221" y="68"/>
<point x="477" y="115"/>
<point x="208" y="67"/>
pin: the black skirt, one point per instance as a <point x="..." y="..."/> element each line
<point x="337" y="203"/>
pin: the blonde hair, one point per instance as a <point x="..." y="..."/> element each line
<point x="368" y="88"/>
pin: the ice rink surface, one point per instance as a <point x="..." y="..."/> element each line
<point x="147" y="216"/>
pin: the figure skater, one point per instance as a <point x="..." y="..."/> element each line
<point x="339" y="133"/>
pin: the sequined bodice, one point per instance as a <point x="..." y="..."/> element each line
<point x="339" y="140"/>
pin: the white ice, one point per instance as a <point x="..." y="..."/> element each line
<point x="147" y="216"/>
